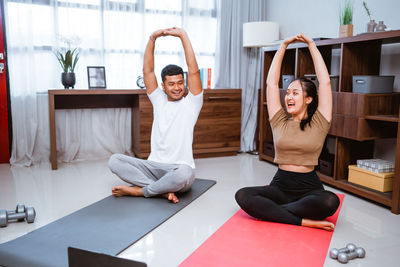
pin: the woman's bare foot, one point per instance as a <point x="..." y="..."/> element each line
<point x="171" y="197"/>
<point x="123" y="190"/>
<point x="325" y="225"/>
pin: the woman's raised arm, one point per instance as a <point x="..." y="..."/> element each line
<point x="324" y="88"/>
<point x="273" y="97"/>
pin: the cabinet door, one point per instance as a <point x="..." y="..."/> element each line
<point x="218" y="127"/>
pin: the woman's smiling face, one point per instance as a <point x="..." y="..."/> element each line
<point x="295" y="99"/>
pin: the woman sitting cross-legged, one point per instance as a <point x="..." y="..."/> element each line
<point x="296" y="195"/>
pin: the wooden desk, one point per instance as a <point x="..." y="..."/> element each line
<point x="217" y="132"/>
<point x="75" y="99"/>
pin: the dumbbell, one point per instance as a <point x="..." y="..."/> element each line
<point x="334" y="253"/>
<point x="19" y="209"/>
<point x="357" y="253"/>
<point x="21" y="213"/>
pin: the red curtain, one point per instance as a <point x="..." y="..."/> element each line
<point x="4" y="122"/>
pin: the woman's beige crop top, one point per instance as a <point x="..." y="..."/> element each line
<point x="294" y="146"/>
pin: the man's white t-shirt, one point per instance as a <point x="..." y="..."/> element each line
<point x="173" y="125"/>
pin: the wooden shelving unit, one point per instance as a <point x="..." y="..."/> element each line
<point x="358" y="119"/>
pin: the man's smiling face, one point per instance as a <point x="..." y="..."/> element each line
<point x="174" y="87"/>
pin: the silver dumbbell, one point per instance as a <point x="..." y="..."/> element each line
<point x="21" y="213"/>
<point x="357" y="253"/>
<point x="334" y="253"/>
<point x="19" y="209"/>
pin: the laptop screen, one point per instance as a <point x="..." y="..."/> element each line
<point x="84" y="258"/>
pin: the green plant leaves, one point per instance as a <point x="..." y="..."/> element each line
<point x="69" y="60"/>
<point x="346" y="14"/>
<point x="367" y="9"/>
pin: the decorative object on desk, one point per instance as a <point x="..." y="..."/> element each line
<point x="346" y="19"/>
<point x="96" y="77"/>
<point x="260" y="33"/>
<point x="68" y="58"/>
<point x="371" y="24"/>
<point x="381" y="27"/>
<point x="140" y="82"/>
<point x="68" y="79"/>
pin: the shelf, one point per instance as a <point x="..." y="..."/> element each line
<point x="325" y="178"/>
<point x="389" y="118"/>
<point x="383" y="198"/>
<point x="387" y="37"/>
<point x="353" y="126"/>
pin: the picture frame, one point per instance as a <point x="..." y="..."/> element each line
<point x="96" y="77"/>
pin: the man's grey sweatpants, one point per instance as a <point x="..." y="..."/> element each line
<point x="155" y="178"/>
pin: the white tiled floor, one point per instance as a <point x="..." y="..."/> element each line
<point x="55" y="194"/>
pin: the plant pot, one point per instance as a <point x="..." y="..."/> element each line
<point x="68" y="79"/>
<point x="346" y="30"/>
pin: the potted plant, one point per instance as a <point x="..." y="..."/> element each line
<point x="346" y="19"/>
<point x="372" y="24"/>
<point x="68" y="59"/>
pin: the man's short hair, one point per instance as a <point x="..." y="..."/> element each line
<point x="171" y="70"/>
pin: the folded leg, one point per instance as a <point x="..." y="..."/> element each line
<point x="133" y="170"/>
<point x="177" y="179"/>
<point x="265" y="203"/>
<point x="317" y="205"/>
<point x="155" y="178"/>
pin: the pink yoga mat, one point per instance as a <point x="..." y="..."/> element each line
<point x="245" y="241"/>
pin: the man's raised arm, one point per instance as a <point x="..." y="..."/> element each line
<point x="149" y="76"/>
<point x="194" y="81"/>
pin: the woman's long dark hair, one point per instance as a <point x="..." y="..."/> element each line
<point x="310" y="90"/>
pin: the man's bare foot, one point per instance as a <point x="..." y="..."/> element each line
<point x="123" y="190"/>
<point x="325" y="225"/>
<point x="171" y="197"/>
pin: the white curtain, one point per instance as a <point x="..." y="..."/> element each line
<point x="239" y="67"/>
<point x="112" y="33"/>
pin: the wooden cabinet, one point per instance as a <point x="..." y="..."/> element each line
<point x="358" y="119"/>
<point x="217" y="131"/>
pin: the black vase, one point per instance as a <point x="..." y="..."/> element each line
<point x="68" y="79"/>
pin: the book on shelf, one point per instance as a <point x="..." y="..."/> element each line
<point x="205" y="75"/>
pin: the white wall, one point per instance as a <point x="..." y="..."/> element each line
<point x="319" y="18"/>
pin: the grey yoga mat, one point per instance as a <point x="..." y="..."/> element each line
<point x="107" y="226"/>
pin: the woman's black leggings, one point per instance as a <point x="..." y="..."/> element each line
<point x="289" y="198"/>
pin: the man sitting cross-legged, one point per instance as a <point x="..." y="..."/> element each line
<point x="170" y="166"/>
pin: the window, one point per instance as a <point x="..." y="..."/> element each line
<point x="112" y="33"/>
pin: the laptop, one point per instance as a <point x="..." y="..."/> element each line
<point x="84" y="258"/>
